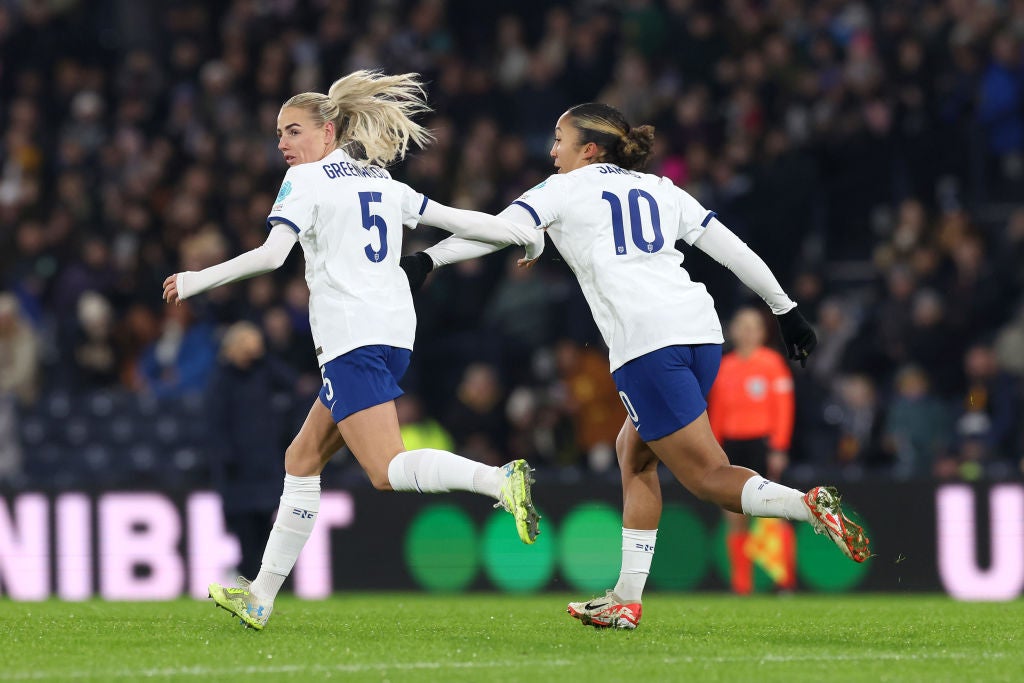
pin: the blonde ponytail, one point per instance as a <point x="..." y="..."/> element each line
<point x="372" y="110"/>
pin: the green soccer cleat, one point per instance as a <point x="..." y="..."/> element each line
<point x="241" y="602"/>
<point x="515" y="497"/>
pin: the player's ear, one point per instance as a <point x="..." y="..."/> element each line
<point x="590" y="150"/>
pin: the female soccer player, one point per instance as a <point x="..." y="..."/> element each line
<point x="348" y="217"/>
<point x="616" y="228"/>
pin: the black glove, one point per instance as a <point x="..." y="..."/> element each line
<point x="797" y="335"/>
<point x="416" y="267"/>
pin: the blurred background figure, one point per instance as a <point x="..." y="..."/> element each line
<point x="19" y="380"/>
<point x="246" y="407"/>
<point x="476" y="415"/>
<point x="987" y="422"/>
<point x="419" y="430"/>
<point x="918" y="430"/>
<point x="180" y="360"/>
<point x="591" y="400"/>
<point x="751" y="409"/>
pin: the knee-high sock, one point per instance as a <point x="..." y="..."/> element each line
<point x="296" y="516"/>
<point x="764" y="498"/>
<point x="637" y="553"/>
<point x="428" y="470"/>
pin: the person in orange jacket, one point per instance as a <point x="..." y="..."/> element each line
<point x="751" y="410"/>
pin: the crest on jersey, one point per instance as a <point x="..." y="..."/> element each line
<point x="286" y="190"/>
<point x="539" y="185"/>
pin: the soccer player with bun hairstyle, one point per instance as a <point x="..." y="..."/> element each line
<point x="616" y="228"/>
<point x="340" y="203"/>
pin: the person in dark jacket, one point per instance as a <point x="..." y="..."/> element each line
<point x="247" y="431"/>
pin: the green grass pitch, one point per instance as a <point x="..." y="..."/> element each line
<point x="484" y="637"/>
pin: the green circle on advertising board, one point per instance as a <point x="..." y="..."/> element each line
<point x="441" y="548"/>
<point x="822" y="566"/>
<point x="510" y="564"/>
<point x="681" y="556"/>
<point x="590" y="546"/>
<point x="720" y="551"/>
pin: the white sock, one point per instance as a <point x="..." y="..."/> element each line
<point x="637" y="553"/>
<point x="764" y="498"/>
<point x="296" y="516"/>
<point x="428" y="470"/>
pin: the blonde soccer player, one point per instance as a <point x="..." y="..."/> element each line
<point x="341" y="205"/>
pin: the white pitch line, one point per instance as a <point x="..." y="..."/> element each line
<point x="202" y="671"/>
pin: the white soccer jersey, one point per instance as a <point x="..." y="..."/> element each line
<point x="617" y="230"/>
<point x="349" y="220"/>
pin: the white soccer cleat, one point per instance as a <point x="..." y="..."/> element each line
<point x="828" y="519"/>
<point x="607" y="612"/>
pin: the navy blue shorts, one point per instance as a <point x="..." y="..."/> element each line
<point x="363" y="378"/>
<point x="667" y="389"/>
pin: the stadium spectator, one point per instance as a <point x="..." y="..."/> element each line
<point x="247" y="432"/>
<point x="591" y="400"/>
<point x="96" y="361"/>
<point x="917" y="426"/>
<point x="419" y="430"/>
<point x="19" y="380"/>
<point x="180" y="360"/>
<point x="990" y="408"/>
<point x="19" y="353"/>
<point x="475" y="415"/>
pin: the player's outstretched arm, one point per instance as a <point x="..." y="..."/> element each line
<point x="451" y="250"/>
<point x="263" y="259"/>
<point x="483" y="227"/>
<point x="722" y="244"/>
<point x="475" y="234"/>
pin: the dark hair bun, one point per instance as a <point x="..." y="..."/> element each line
<point x="635" y="148"/>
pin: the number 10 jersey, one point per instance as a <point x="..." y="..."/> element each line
<point x="617" y="230"/>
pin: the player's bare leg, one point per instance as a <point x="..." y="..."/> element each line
<point x="641" y="510"/>
<point x="641" y="490"/>
<point x="374" y="437"/>
<point x="699" y="463"/>
<point x="312" y="448"/>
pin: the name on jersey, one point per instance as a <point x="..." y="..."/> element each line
<point x="339" y="170"/>
<point x="615" y="169"/>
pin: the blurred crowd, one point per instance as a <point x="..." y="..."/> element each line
<point x="871" y="152"/>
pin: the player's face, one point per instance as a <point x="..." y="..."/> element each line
<point x="300" y="139"/>
<point x="567" y="152"/>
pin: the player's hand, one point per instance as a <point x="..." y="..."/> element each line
<point x="797" y="335"/>
<point x="416" y="267"/>
<point x="527" y="262"/>
<point x="171" y="289"/>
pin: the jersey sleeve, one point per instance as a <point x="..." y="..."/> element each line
<point x="295" y="205"/>
<point x="693" y="218"/>
<point x="413" y="205"/>
<point x="543" y="202"/>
